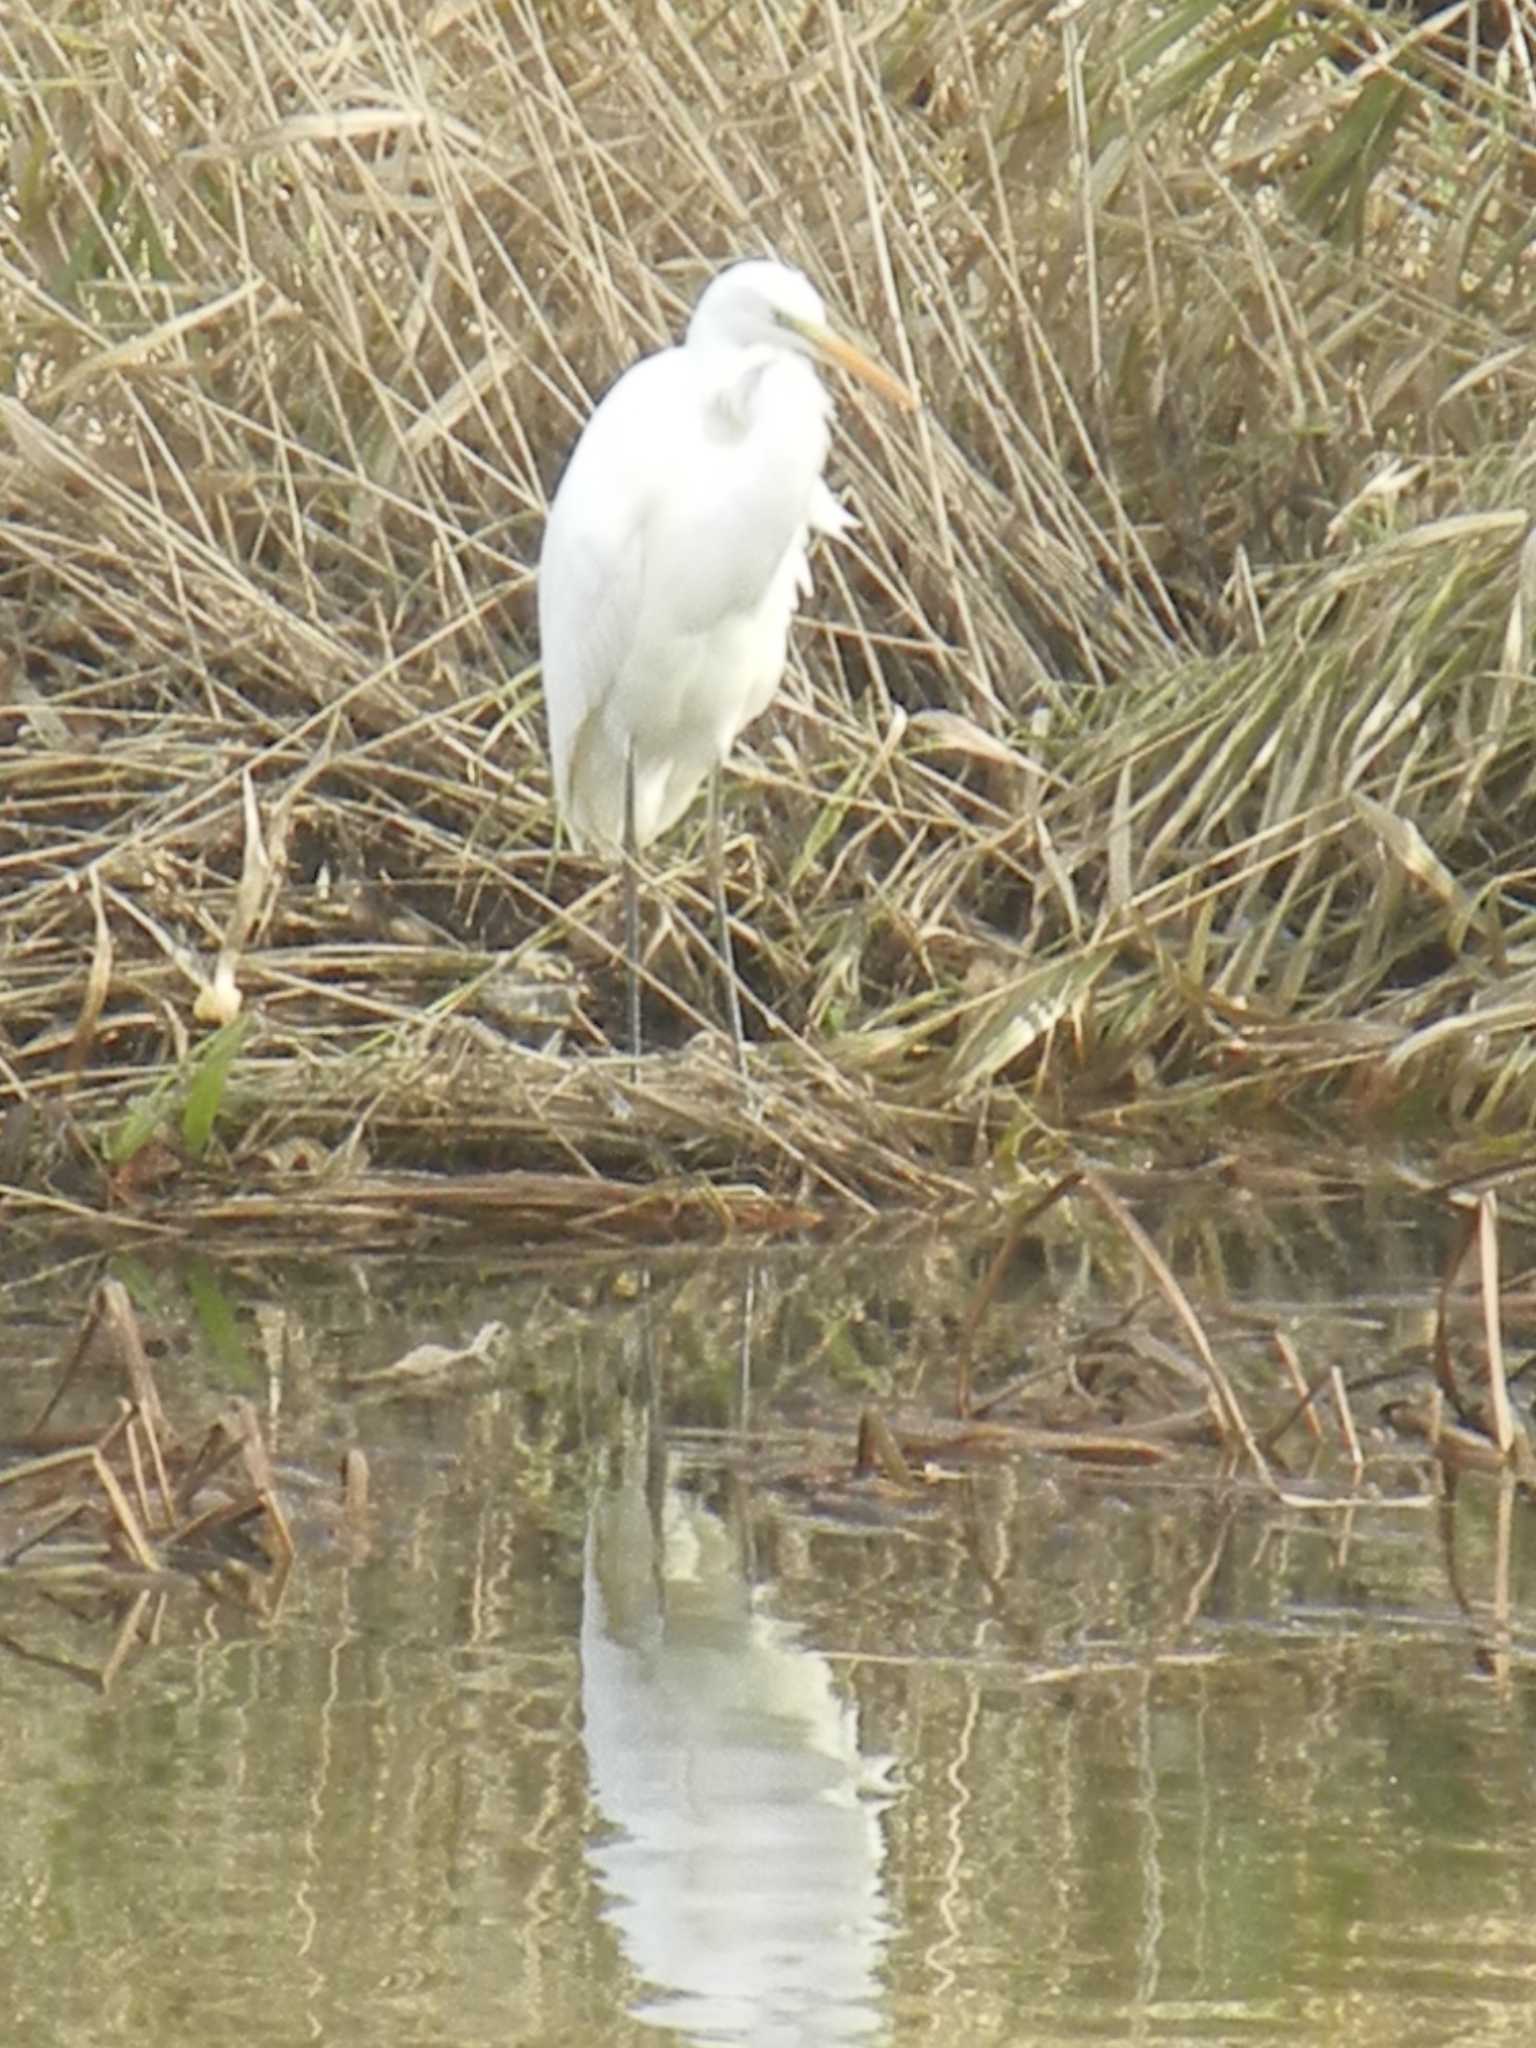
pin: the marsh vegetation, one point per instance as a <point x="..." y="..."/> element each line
<point x="1157" y="766"/>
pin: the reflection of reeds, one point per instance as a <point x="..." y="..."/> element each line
<point x="1467" y="1419"/>
<point x="1164" y="747"/>
<point x="1474" y="1425"/>
<point x="130" y="1509"/>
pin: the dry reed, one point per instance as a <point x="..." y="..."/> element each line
<point x="1161" y="753"/>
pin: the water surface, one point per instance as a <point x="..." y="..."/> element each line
<point x="628" y="1720"/>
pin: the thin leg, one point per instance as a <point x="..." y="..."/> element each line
<point x="632" y="908"/>
<point x="723" y="923"/>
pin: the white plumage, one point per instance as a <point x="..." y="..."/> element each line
<point x="676" y="550"/>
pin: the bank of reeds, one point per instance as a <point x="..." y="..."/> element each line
<point x="1160" y="753"/>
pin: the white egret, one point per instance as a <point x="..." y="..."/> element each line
<point x="675" y="551"/>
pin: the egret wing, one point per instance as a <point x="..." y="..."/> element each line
<point x="590" y="589"/>
<point x="673" y="556"/>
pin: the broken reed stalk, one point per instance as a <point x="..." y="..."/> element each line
<point x="1226" y="1407"/>
<point x="153" y="1516"/>
<point x="1346" y="1420"/>
<point x="1477" y="1230"/>
<point x="1305" y="1407"/>
<point x="121" y="1515"/>
<point x="1493" y="1333"/>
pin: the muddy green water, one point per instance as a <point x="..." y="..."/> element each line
<point x="622" y="1723"/>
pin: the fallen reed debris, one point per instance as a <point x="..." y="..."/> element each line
<point x="1118" y="1399"/>
<point x="112" y="1517"/>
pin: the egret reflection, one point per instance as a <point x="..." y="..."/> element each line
<point x="742" y="1850"/>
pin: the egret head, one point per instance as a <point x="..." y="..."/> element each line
<point x="759" y="304"/>
<point x="756" y="302"/>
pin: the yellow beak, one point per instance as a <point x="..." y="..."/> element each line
<point x="832" y="348"/>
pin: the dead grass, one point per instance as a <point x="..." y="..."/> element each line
<point x="1161" y="754"/>
<point x="110" y="1522"/>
